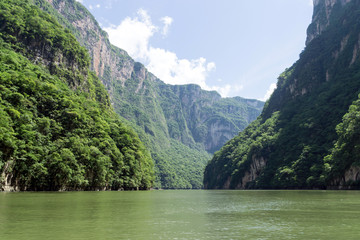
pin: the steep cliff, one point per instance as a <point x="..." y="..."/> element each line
<point x="286" y="146"/>
<point x="321" y="17"/>
<point x="180" y="125"/>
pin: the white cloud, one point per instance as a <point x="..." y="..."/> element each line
<point x="167" y="21"/>
<point x="311" y="3"/>
<point x="169" y="68"/>
<point x="228" y="90"/>
<point x="80" y="1"/>
<point x="211" y="66"/>
<point x="91" y="7"/>
<point x="224" y="91"/>
<point x="133" y="35"/>
<point x="270" y="90"/>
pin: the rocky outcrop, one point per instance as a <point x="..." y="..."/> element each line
<point x="321" y="17"/>
<point x="351" y="176"/>
<point x="219" y="132"/>
<point x="212" y="120"/>
<point x="7" y="182"/>
<point x="256" y="166"/>
<point x="109" y="63"/>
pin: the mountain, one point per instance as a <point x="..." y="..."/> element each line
<point x="181" y="125"/>
<point x="58" y="130"/>
<point x="307" y="134"/>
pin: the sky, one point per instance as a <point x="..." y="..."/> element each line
<point x="236" y="47"/>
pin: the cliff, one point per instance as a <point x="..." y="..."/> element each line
<point x="291" y="144"/>
<point x="181" y="125"/>
<point x="321" y="16"/>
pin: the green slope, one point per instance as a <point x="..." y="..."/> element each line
<point x="57" y="129"/>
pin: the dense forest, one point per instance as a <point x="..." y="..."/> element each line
<point x="182" y="126"/>
<point x="58" y="130"/>
<point x="307" y="135"/>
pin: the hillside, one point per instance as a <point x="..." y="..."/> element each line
<point x="181" y="125"/>
<point x="58" y="130"/>
<point x="291" y="144"/>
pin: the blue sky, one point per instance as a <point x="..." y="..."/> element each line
<point x="236" y="47"/>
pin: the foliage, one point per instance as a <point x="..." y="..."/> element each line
<point x="345" y="153"/>
<point x="310" y="100"/>
<point x="57" y="130"/>
<point x="235" y="157"/>
<point x="176" y="132"/>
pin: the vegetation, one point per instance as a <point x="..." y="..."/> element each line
<point x="296" y="129"/>
<point x="177" y="133"/>
<point x="179" y="161"/>
<point x="345" y="154"/>
<point x="57" y="129"/>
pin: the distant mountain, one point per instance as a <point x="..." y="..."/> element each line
<point x="181" y="125"/>
<point x="58" y="130"/>
<point x="291" y="144"/>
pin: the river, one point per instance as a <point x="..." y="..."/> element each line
<point x="180" y="214"/>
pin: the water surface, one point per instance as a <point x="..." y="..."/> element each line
<point x="181" y="215"/>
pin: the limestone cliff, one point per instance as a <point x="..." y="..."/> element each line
<point x="351" y="176"/>
<point x="321" y="16"/>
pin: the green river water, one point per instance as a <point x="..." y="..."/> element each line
<point x="192" y="214"/>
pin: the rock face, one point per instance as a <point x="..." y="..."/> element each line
<point x="108" y="62"/>
<point x="321" y="17"/>
<point x="164" y="116"/>
<point x="352" y="175"/>
<point x="7" y="185"/>
<point x="256" y="166"/>
<point x="211" y="119"/>
<point x="287" y="146"/>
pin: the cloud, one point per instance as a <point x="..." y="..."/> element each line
<point x="134" y="34"/>
<point x="211" y="66"/>
<point x="91" y="7"/>
<point x="172" y="70"/>
<point x="80" y="1"/>
<point x="311" y="3"/>
<point x="228" y="90"/>
<point x="270" y="90"/>
<point x="167" y="21"/>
